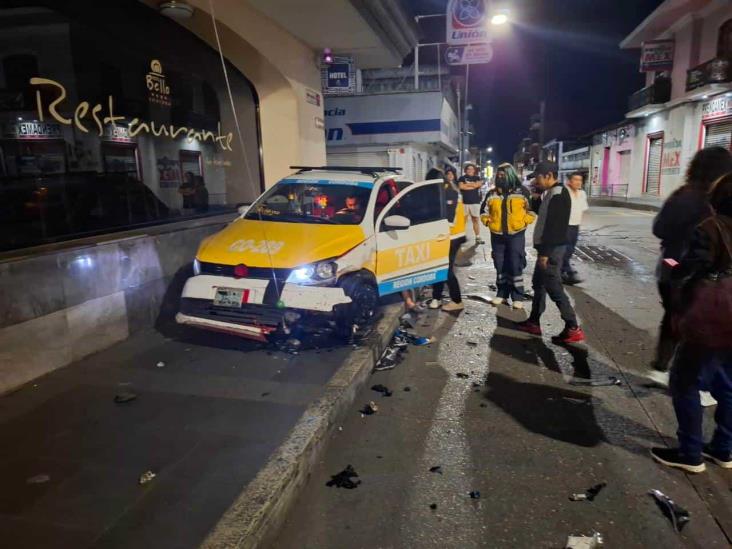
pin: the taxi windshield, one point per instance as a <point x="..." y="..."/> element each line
<point x="313" y="201"/>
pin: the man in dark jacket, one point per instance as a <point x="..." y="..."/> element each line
<point x="550" y="239"/>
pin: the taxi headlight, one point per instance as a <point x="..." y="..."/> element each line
<point x="315" y="273"/>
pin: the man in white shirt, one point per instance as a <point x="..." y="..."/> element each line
<point x="579" y="207"/>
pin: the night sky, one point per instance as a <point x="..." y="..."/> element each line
<point x="565" y="51"/>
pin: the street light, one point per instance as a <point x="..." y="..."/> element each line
<point x="489" y="149"/>
<point x="500" y="18"/>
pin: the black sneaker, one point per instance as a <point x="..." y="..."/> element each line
<point x="723" y="460"/>
<point x="672" y="458"/>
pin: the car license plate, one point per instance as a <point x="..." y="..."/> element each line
<point x="231" y="297"/>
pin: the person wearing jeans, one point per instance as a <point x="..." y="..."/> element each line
<point x="579" y="207"/>
<point x="550" y="237"/>
<point x="699" y="364"/>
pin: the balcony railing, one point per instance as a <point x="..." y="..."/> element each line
<point x="657" y="93"/>
<point x="715" y="71"/>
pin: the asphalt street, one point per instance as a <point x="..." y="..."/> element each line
<point x="513" y="428"/>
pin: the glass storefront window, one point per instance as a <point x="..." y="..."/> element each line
<point x="112" y="118"/>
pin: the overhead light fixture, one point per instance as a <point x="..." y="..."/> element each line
<point x="175" y="9"/>
<point x="705" y="97"/>
<point x="328" y="56"/>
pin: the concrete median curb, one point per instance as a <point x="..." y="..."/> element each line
<point x="262" y="506"/>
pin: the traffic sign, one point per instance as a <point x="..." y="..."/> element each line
<point x="472" y="54"/>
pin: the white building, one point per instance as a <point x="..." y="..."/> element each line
<point x="682" y="109"/>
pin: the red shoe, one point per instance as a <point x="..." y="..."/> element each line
<point x="570" y="335"/>
<point x="529" y="327"/>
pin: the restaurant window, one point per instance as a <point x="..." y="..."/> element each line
<point x="724" y="40"/>
<point x="166" y="149"/>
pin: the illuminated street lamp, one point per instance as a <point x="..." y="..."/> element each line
<point x="500" y="18"/>
<point x="489" y="150"/>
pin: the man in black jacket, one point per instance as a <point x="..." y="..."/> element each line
<point x="550" y="239"/>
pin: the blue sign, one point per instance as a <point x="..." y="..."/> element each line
<point x="338" y="77"/>
<point x="412" y="281"/>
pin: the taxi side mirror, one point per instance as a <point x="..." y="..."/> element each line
<point x="243" y="209"/>
<point x="397" y="223"/>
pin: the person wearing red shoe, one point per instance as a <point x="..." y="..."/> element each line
<point x="550" y="239"/>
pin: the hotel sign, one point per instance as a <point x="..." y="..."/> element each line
<point x="716" y="108"/>
<point x="657" y="55"/>
<point x="157" y="87"/>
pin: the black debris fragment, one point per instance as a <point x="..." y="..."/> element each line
<point x="265" y="394"/>
<point x="370" y="409"/>
<point x="674" y="512"/>
<point x="472" y="343"/>
<point x="476" y="384"/>
<point x="344" y="479"/>
<point x="492" y="287"/>
<point x="596" y="381"/>
<point x="436" y="469"/>
<point x="382" y="389"/>
<point x="125" y="396"/>
<point x="433" y="506"/>
<point x="462" y="375"/>
<point x="474" y="495"/>
<point x="407" y="389"/>
<point x="483" y="405"/>
<point x="590" y="494"/>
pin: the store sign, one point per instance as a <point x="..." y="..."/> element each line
<point x="472" y="54"/>
<point x="716" y="108"/>
<point x="467" y="22"/>
<point x="157" y="87"/>
<point x="339" y="78"/>
<point x="102" y="115"/>
<point x="671" y="159"/>
<point x="119" y="134"/>
<point x="35" y="130"/>
<point x="657" y="55"/>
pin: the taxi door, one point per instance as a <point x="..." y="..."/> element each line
<point x="412" y="239"/>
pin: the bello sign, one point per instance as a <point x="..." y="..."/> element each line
<point x="472" y="54"/>
<point x="657" y="55"/>
<point x="467" y="22"/>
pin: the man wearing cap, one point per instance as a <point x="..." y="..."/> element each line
<point x="550" y="239"/>
<point x="470" y="185"/>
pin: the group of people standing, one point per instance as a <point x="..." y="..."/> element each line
<point x="507" y="210"/>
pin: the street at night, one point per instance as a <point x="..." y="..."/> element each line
<point x="384" y="274"/>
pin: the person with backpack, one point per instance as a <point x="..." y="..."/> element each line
<point x="507" y="213"/>
<point x="683" y="210"/>
<point x="701" y="316"/>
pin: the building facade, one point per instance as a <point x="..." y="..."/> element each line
<point x="686" y="105"/>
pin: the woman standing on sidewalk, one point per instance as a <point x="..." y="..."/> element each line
<point x="681" y="212"/>
<point x="457" y="238"/>
<point x="506" y="212"/>
<point x="703" y="360"/>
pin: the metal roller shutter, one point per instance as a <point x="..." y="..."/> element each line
<point x="719" y="135"/>
<point x="653" y="171"/>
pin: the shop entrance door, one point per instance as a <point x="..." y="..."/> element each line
<point x="653" y="168"/>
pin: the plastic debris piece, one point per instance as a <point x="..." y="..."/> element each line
<point x="433" y="506"/>
<point x="38" y="479"/>
<point x="596" y="381"/>
<point x="344" y="479"/>
<point x="383" y="389"/>
<point x="125" y="396"/>
<point x="146" y="477"/>
<point x="461" y="375"/>
<point x="584" y="542"/>
<point x="160" y="364"/>
<point x="472" y="343"/>
<point x="476" y="384"/>
<point x="483" y="405"/>
<point x="675" y="513"/>
<point x="436" y="469"/>
<point x="407" y="389"/>
<point x="370" y="409"/>
<point x="265" y="394"/>
<point x="590" y="494"/>
<point x="474" y="494"/>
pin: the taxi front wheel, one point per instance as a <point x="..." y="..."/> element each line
<point x="362" y="309"/>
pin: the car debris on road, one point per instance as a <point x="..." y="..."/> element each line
<point x="678" y="516"/>
<point x="590" y="494"/>
<point x="344" y="479"/>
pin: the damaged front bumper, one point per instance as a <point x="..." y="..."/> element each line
<point x="268" y="307"/>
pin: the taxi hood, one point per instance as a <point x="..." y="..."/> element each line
<point x="247" y="241"/>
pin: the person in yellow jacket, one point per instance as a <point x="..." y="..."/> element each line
<point x="507" y="213"/>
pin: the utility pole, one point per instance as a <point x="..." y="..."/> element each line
<point x="542" y="119"/>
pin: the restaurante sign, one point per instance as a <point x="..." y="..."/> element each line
<point x="100" y="117"/>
